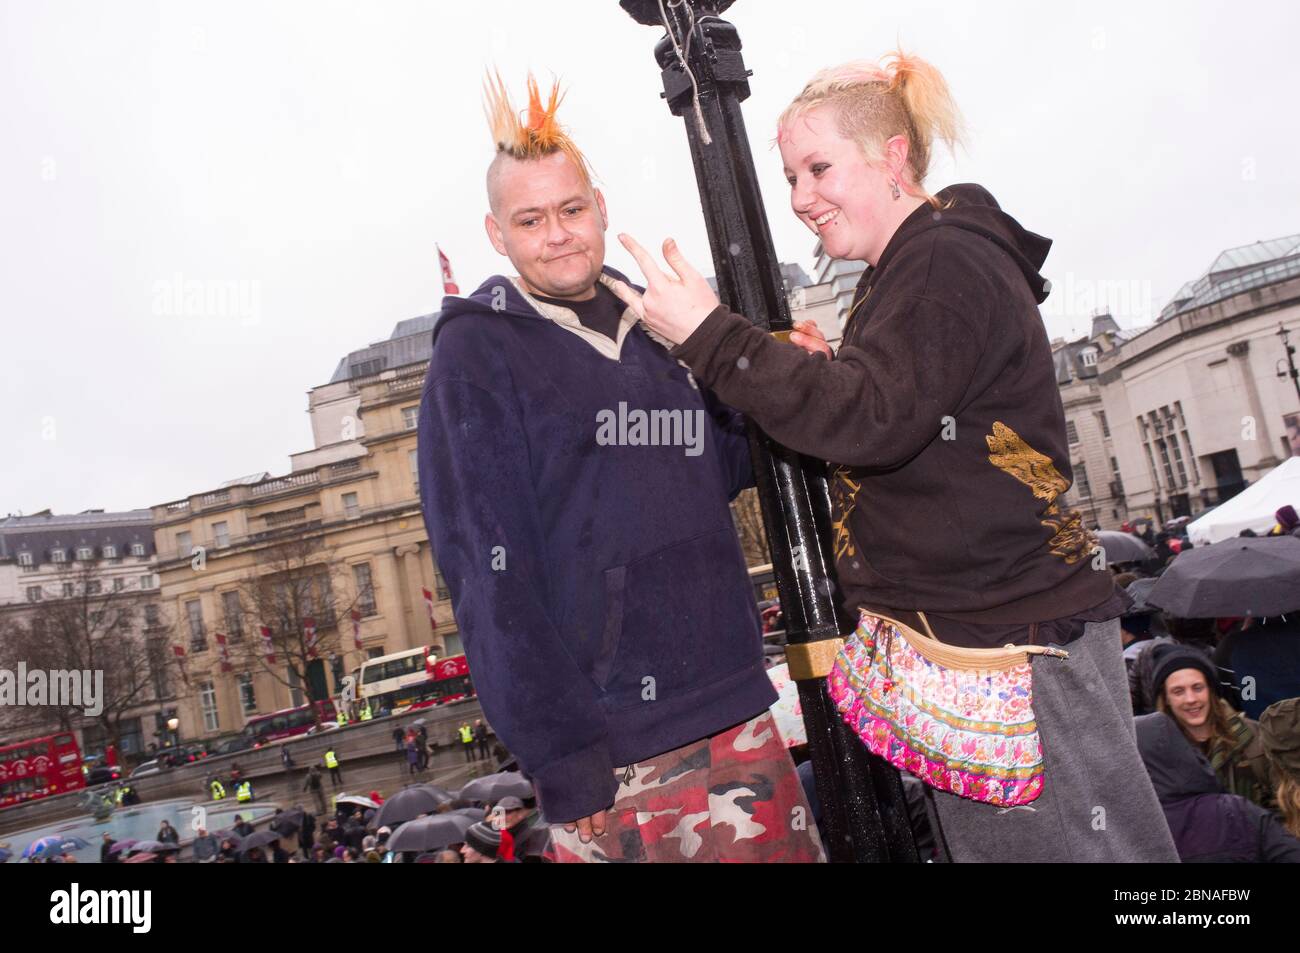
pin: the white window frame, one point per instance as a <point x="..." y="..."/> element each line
<point x="410" y="417"/>
<point x="137" y="549"/>
<point x="31" y="590"/>
<point x="24" y="558"/>
<point x="362" y="604"/>
<point x="247" y="693"/>
<point x="221" y="533"/>
<point x="58" y="556"/>
<point x="85" y="553"/>
<point x="208" y="702"/>
<point x="110" y="551"/>
<point x="353" y="509"/>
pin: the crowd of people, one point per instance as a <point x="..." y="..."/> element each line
<point x="1217" y="707"/>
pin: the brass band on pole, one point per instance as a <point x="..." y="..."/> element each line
<point x="812" y="659"/>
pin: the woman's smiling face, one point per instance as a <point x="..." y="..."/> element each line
<point x="843" y="199"/>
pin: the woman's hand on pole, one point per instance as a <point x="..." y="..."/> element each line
<point x="673" y="305"/>
<point x="808" y="335"/>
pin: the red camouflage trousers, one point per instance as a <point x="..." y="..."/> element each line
<point x="734" y="797"/>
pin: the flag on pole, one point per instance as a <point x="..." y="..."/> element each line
<point x="428" y="604"/>
<point x="179" y="652"/>
<point x="268" y="645"/>
<point x="356" y="628"/>
<point x="223" y="652"/>
<point x="449" y="286"/>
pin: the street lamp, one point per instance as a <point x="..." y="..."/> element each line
<point x="864" y="815"/>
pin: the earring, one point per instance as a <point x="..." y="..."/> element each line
<point x="893" y="187"/>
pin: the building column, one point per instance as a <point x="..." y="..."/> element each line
<point x="1239" y="351"/>
<point x="417" y="615"/>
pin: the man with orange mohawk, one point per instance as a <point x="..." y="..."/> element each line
<point x="575" y="485"/>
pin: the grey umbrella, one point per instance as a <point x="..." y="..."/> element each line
<point x="434" y="832"/>
<point x="494" y="787"/>
<point x="1237" y="577"/>
<point x="1123" y="547"/>
<point x="407" y="804"/>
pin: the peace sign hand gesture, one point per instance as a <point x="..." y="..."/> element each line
<point x="673" y="305"/>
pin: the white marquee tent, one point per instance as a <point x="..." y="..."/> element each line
<point x="1252" y="508"/>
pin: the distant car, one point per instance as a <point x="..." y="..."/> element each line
<point x="233" y="745"/>
<point x="102" y="775"/>
<point x="324" y="726"/>
<point x="185" y="754"/>
<point x="147" y="768"/>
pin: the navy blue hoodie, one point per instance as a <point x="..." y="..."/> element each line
<point x="597" y="579"/>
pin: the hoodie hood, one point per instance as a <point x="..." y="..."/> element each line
<point x="1177" y="769"/>
<point x="973" y="209"/>
<point x="498" y="295"/>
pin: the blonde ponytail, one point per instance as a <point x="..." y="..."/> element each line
<point x="902" y="95"/>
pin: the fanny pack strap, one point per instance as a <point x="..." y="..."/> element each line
<point x="960" y="657"/>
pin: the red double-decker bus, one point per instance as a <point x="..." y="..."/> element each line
<point x="413" y="678"/>
<point x="38" y="768"/>
<point x="286" y="723"/>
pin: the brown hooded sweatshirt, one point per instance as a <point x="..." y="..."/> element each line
<point x="943" y="425"/>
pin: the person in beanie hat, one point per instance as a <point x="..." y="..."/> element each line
<point x="1207" y="825"/>
<point x="1279" y="732"/>
<point x="1186" y="686"/>
<point x="484" y="844"/>
<point x="1287" y="521"/>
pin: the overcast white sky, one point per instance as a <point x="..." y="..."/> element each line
<point x="315" y="151"/>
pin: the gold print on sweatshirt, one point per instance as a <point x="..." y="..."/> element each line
<point x="1009" y="453"/>
<point x="844" y="497"/>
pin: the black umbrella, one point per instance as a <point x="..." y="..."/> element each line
<point x="441" y="793"/>
<point x="434" y="832"/>
<point x="229" y="835"/>
<point x="1123" y="547"/>
<point x="494" y="787"/>
<point x="258" y="839"/>
<point x="287" y="822"/>
<point x="1140" y="590"/>
<point x="1237" y="577"/>
<point x="407" y="804"/>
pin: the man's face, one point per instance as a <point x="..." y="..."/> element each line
<point x="551" y="225"/>
<point x="1188" y="696"/>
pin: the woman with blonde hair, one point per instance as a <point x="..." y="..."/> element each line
<point x="987" y="658"/>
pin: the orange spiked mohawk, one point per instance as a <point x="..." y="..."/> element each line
<point x="540" y="136"/>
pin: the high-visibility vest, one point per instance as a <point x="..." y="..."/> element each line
<point x="218" y="790"/>
<point x="117" y="796"/>
<point x="465" y="734"/>
<point x="365" y="713"/>
<point x="244" y="792"/>
<point x="330" y="760"/>
<point x="342" y="719"/>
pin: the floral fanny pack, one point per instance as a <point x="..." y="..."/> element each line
<point x="960" y="719"/>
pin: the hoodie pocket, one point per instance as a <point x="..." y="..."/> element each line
<point x="677" y="620"/>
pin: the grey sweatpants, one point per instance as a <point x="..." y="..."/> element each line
<point x="1097" y="802"/>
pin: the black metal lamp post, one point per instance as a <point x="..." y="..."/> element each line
<point x="705" y="80"/>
